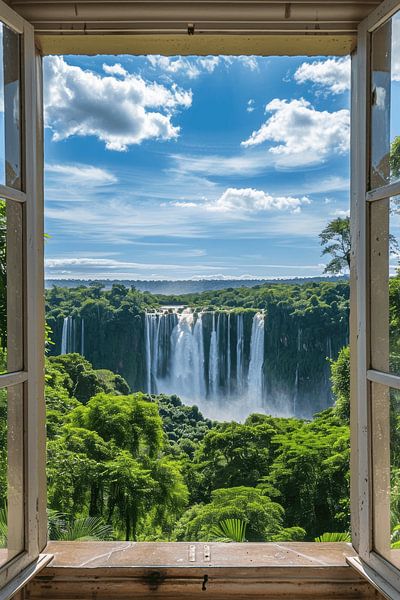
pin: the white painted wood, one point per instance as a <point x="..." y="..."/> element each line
<point x="34" y="318"/>
<point x="384" y="378"/>
<point x="14" y="586"/>
<point x="386" y="191"/>
<point x="8" y="193"/>
<point x="13" y="378"/>
<point x="360" y="390"/>
<point x="11" y="18"/>
<point x="374" y="578"/>
<point x="371" y="512"/>
<point x="31" y="462"/>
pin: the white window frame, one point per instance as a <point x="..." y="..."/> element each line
<point x="377" y="569"/>
<point x="363" y="502"/>
<point x="18" y="570"/>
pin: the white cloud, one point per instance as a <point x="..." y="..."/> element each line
<point x="333" y="74"/>
<point x="250" y="62"/>
<point x="81" y="174"/>
<point x="247" y="200"/>
<point x="248" y="163"/>
<point x="208" y="63"/>
<point x="194" y="66"/>
<point x="116" y="69"/>
<point x="303" y="135"/>
<point x="250" y="106"/>
<point x="174" y="65"/>
<point x="341" y="213"/>
<point x="120" y="112"/>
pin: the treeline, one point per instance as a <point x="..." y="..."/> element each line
<point x="150" y="468"/>
<point x="304" y="324"/>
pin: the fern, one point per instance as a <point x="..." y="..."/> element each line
<point x="84" y="530"/>
<point x="334" y="537"/>
<point x="232" y="530"/>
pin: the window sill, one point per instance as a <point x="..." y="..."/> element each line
<point x="106" y="570"/>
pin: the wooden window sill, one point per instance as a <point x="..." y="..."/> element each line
<point x="109" y="570"/>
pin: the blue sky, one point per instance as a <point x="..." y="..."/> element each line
<point x="173" y="168"/>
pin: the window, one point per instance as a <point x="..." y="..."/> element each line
<point x="375" y="336"/>
<point x="22" y="444"/>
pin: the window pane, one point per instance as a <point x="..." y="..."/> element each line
<point x="10" y="116"/>
<point x="385" y="117"/>
<point x="385" y="285"/>
<point x="11" y="473"/>
<point x="11" y="298"/>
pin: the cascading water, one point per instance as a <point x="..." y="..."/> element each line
<point x="83" y="337"/>
<point x="213" y="362"/>
<point x="255" y="376"/>
<point x="239" y="351"/>
<point x="190" y="354"/>
<point x="70" y="340"/>
<point x="66" y="335"/>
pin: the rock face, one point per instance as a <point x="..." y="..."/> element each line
<point x="229" y="363"/>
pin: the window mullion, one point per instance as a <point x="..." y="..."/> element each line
<point x="9" y="379"/>
<point x="8" y="193"/>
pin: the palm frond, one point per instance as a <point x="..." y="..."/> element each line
<point x="233" y="530"/>
<point x="84" y="530"/>
<point x="334" y="537"/>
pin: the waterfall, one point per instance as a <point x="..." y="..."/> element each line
<point x="296" y="389"/>
<point x="213" y="361"/>
<point x="199" y="381"/>
<point x="228" y="354"/>
<point x="82" y="336"/>
<point x="193" y="356"/>
<point x="239" y="351"/>
<point x="186" y="377"/>
<point x="148" y="351"/>
<point x="68" y="336"/>
<point x="255" y="376"/>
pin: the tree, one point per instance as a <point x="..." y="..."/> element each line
<point x="262" y="516"/>
<point x="395" y="158"/>
<point x="340" y="378"/>
<point x="336" y="241"/>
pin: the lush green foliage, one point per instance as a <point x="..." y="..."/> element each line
<point x="395" y="157"/>
<point x="150" y="468"/>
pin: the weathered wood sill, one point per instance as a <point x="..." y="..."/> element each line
<point x="119" y="570"/>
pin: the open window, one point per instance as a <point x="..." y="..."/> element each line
<point x="23" y="533"/>
<point x="375" y="342"/>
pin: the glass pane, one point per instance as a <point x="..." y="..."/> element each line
<point x="385" y="285"/>
<point x="10" y="116"/>
<point x="11" y="297"/>
<point x="11" y="473"/>
<point x="385" y="114"/>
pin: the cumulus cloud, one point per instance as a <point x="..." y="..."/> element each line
<point x="116" y="69"/>
<point x="237" y="201"/>
<point x="81" y="174"/>
<point x="118" y="111"/>
<point x="302" y="134"/>
<point x="175" y="65"/>
<point x="332" y="74"/>
<point x="250" y="106"/>
<point x="194" y="66"/>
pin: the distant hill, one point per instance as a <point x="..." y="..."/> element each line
<point x="186" y="286"/>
